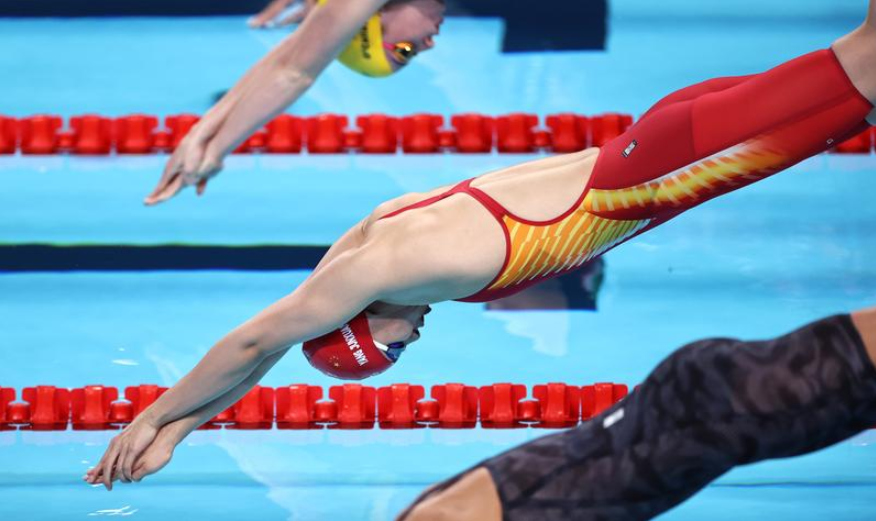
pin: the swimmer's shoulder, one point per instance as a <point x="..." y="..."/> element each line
<point x="456" y="240"/>
<point x="399" y="203"/>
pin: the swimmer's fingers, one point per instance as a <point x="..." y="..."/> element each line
<point x="184" y="162"/>
<point x="109" y="462"/>
<point x="141" y="470"/>
<point x="166" y="192"/>
<point x="179" y="181"/>
<point x="126" y="467"/>
<point x="267" y="15"/>
<point x="91" y="475"/>
<point x="156" y="457"/>
<point x="170" y="173"/>
<point x="209" y="168"/>
<point x="298" y="16"/>
<point x="119" y="470"/>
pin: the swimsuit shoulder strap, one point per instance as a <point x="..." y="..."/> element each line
<point x="485" y="199"/>
<point x="492" y="206"/>
<point x="459" y="187"/>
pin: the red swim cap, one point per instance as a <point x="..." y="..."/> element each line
<point x="348" y="353"/>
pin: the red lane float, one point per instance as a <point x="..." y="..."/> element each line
<point x="91" y="135"/>
<point x="8" y="135"/>
<point x="7" y="396"/>
<point x="862" y="143"/>
<point x="356" y="406"/>
<point x="457" y="405"/>
<point x="472" y="133"/>
<point x="598" y="397"/>
<point x="285" y="134"/>
<point x="255" y="410"/>
<point x="142" y="396"/>
<point x="500" y="406"/>
<point x="559" y="405"/>
<point x="224" y="418"/>
<point x="515" y="133"/>
<point x="349" y="406"/>
<point x="397" y="406"/>
<point x="178" y="126"/>
<point x="420" y="133"/>
<point x="40" y="134"/>
<point x="90" y="407"/>
<point x="376" y="134"/>
<point x="296" y="406"/>
<point x="254" y="143"/>
<point x="606" y="127"/>
<point x="49" y="407"/>
<point x="325" y="134"/>
<point x="569" y="132"/>
<point x="135" y="134"/>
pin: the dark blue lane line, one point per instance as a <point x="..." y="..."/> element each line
<point x="129" y="8"/>
<point x="554" y="25"/>
<point x="119" y="257"/>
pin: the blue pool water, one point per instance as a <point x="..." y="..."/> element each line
<point x="752" y="264"/>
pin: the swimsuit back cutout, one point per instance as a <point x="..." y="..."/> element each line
<point x="536" y="250"/>
<point x="463" y="187"/>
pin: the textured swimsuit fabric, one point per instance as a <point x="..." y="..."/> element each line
<point x="710" y="406"/>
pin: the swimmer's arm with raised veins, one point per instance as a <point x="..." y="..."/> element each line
<point x="328" y="298"/>
<point x="159" y="452"/>
<point x="270" y="86"/>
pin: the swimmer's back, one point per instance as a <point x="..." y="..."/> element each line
<point x="539" y="189"/>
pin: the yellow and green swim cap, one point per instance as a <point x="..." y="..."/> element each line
<point x="366" y="54"/>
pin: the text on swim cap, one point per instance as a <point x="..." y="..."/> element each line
<point x="366" y="43"/>
<point x="353" y="344"/>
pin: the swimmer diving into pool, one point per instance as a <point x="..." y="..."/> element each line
<point x="487" y="237"/>
<point x="372" y="37"/>
<point x="710" y="406"/>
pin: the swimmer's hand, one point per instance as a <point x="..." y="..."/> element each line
<point x="193" y="163"/>
<point x="124" y="450"/>
<point x="269" y="17"/>
<point x="157" y="455"/>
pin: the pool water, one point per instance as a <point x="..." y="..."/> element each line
<point x="752" y="264"/>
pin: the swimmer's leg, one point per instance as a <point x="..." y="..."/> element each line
<point x="857" y="53"/>
<point x="710" y="406"/>
<point x="719" y="136"/>
<point x="695" y="91"/>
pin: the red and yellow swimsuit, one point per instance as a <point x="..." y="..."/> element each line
<point x="694" y="145"/>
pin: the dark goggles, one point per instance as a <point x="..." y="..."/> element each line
<point x="402" y="52"/>
<point x="394" y="351"/>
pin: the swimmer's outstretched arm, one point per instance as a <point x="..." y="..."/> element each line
<point x="273" y="84"/>
<point x="331" y="296"/>
<point x="159" y="452"/>
<point x="322" y="303"/>
<point x="327" y="299"/>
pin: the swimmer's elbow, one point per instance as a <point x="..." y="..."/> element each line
<point x="259" y="349"/>
<point x="294" y="78"/>
<point x="250" y="350"/>
<point x="252" y="345"/>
